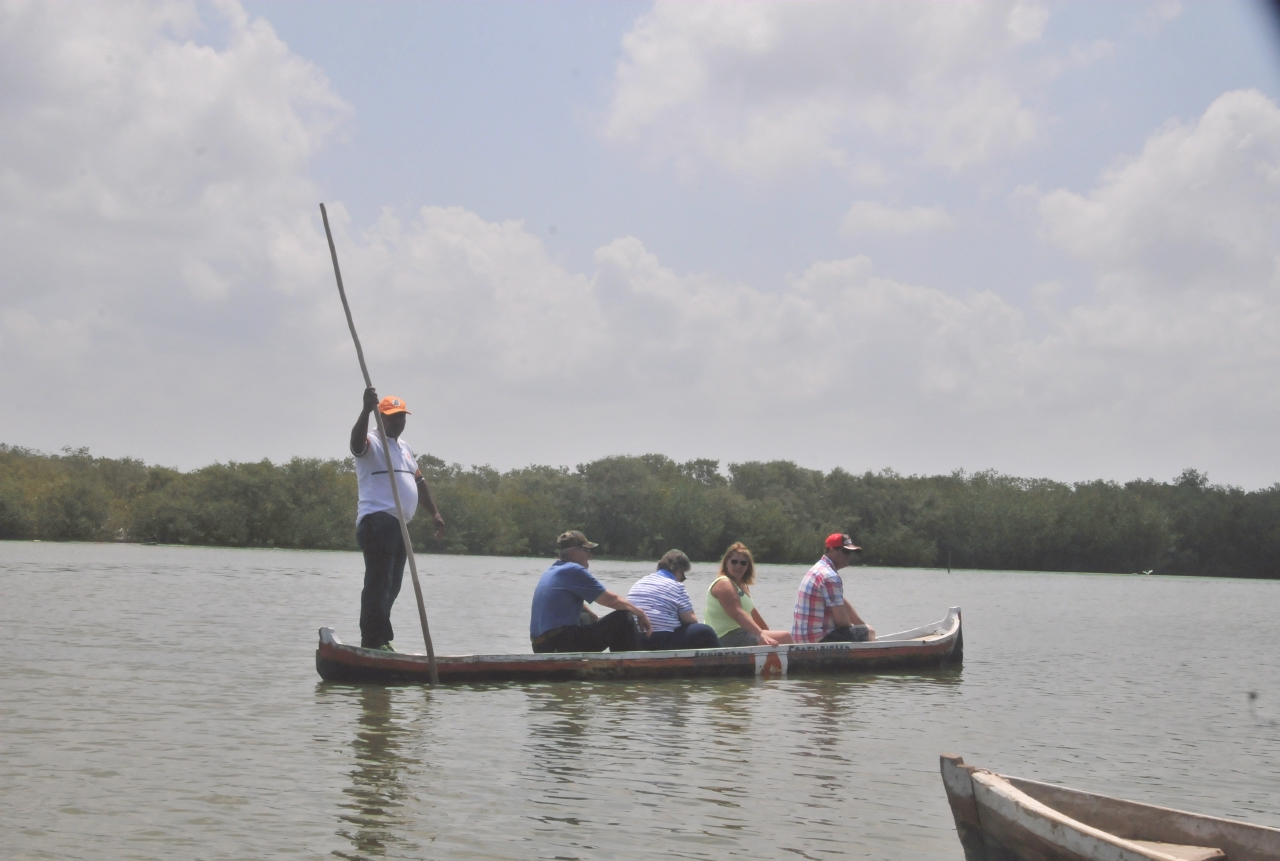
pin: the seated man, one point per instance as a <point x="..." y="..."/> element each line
<point x="664" y="599"/>
<point x="561" y="622"/>
<point x="822" y="614"/>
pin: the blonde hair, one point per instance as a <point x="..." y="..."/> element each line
<point x="739" y="547"/>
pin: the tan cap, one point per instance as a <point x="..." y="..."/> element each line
<point x="573" y="538"/>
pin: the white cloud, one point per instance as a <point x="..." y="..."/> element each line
<point x="1184" y="241"/>
<point x="471" y="299"/>
<point x="127" y="141"/>
<point x="869" y="216"/>
<point x="178" y="304"/>
<point x="1184" y="244"/>
<point x="1155" y="15"/>
<point x="1198" y="209"/>
<point x="762" y="89"/>
<point x="482" y="303"/>
<point x="153" y="196"/>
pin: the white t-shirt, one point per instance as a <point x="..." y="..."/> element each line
<point x="375" y="488"/>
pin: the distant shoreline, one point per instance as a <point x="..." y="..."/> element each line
<point x="639" y="507"/>
<point x="700" y="567"/>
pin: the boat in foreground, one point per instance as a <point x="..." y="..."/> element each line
<point x="929" y="647"/>
<point x="1001" y="818"/>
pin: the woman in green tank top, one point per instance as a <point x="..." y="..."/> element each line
<point x="730" y="610"/>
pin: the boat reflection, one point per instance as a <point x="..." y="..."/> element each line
<point x="594" y="740"/>
<point x="567" y="720"/>
<point x="372" y="815"/>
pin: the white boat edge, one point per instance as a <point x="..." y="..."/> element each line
<point x="943" y="628"/>
<point x="970" y="790"/>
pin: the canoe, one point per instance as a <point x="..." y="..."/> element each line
<point x="1001" y="818"/>
<point x="928" y="647"/>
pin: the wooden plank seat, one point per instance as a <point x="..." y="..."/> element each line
<point x="1184" y="853"/>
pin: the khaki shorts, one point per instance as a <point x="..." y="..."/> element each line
<point x="739" y="637"/>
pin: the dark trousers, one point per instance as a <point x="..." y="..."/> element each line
<point x="695" y="636"/>
<point x="847" y="634"/>
<point x="378" y="535"/>
<point x="616" y="632"/>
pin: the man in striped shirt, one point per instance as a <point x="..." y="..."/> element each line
<point x="666" y="602"/>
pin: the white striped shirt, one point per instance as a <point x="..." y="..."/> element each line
<point x="663" y="598"/>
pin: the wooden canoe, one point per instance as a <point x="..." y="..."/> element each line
<point x="929" y="647"/>
<point x="1001" y="818"/>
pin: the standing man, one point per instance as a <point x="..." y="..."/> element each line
<point x="822" y="614"/>
<point x="377" y="526"/>
<point x="560" y="620"/>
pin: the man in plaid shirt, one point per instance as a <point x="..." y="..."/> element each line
<point x="822" y="615"/>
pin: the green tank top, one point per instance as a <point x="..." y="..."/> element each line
<point x="720" y="621"/>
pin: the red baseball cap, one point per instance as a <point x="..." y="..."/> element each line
<point x="840" y="541"/>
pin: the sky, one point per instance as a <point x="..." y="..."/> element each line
<point x="1042" y="239"/>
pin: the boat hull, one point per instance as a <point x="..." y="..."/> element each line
<point x="1000" y="818"/>
<point x="930" y="647"/>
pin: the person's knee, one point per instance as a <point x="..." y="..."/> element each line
<point x="847" y="634"/>
<point x="700" y="636"/>
<point x="617" y="620"/>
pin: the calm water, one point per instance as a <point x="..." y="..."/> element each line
<point x="162" y="703"/>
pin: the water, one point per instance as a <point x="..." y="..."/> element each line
<point x="160" y="702"/>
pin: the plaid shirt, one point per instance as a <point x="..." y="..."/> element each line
<point x="820" y="590"/>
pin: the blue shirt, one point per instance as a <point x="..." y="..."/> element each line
<point x="557" y="601"/>
<point x="663" y="598"/>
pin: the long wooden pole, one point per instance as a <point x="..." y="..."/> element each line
<point x="386" y="451"/>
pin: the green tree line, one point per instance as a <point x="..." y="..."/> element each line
<point x="639" y="507"/>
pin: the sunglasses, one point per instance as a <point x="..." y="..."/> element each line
<point x="737" y="562"/>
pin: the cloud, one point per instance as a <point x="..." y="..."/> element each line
<point x="869" y="216"/>
<point x="1196" y="210"/>
<point x="761" y="90"/>
<point x="1154" y="16"/>
<point x="1183" y="243"/>
<point x="153" y="204"/>
<point x="168" y="287"/>
<point x="472" y="299"/>
<point x="477" y="301"/>
<point x="127" y="141"/>
<point x="808" y="343"/>
<point x="1183" y="246"/>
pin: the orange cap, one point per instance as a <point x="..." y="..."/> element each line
<point x="391" y="405"/>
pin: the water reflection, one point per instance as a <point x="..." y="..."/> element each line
<point x="559" y="718"/>
<point x="378" y="796"/>
<point x="774" y="770"/>
<point x="711" y="765"/>
<point x="826" y="708"/>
